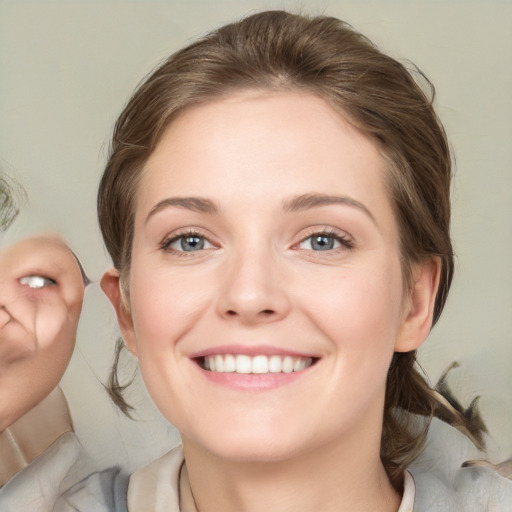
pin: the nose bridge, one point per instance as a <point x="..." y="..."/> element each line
<point x="253" y="287"/>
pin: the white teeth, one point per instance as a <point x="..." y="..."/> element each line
<point x="243" y="364"/>
<point x="259" y="364"/>
<point x="299" y="364"/>
<point x="229" y="363"/>
<point x="287" y="364"/>
<point x="219" y="363"/>
<point x="274" y="363"/>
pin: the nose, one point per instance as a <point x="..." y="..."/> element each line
<point x="253" y="290"/>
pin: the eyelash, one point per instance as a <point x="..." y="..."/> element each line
<point x="165" y="245"/>
<point x="345" y="241"/>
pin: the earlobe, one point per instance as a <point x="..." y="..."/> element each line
<point x="419" y="311"/>
<point x="110" y="284"/>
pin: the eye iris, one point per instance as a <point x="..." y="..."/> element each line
<point x="192" y="243"/>
<point x="322" y="243"/>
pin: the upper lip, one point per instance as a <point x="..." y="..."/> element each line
<point x="250" y="350"/>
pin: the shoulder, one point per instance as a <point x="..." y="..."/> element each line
<point x="103" y="491"/>
<point x="38" y="485"/>
<point x="113" y="491"/>
<point x="476" y="489"/>
<point x="443" y="485"/>
<point x="482" y="487"/>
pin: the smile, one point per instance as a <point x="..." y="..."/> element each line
<point x="258" y="364"/>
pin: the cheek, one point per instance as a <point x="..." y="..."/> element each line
<point x="362" y="311"/>
<point x="166" y="304"/>
<point x="360" y="318"/>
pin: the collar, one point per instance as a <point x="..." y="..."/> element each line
<point x="163" y="486"/>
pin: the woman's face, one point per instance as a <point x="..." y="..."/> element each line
<point x="265" y="242"/>
<point x="41" y="293"/>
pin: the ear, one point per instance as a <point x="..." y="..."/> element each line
<point x="419" y="309"/>
<point x="111" y="287"/>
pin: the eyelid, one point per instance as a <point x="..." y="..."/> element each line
<point x="36" y="281"/>
<point x="326" y="231"/>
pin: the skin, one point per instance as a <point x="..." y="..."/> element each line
<point x="41" y="294"/>
<point x="313" y="442"/>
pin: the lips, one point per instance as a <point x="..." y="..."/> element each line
<point x="259" y="364"/>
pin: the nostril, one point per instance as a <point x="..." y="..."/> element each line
<point x="264" y="312"/>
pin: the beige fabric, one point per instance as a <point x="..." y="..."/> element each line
<point x="33" y="433"/>
<point x="407" y="504"/>
<point x="163" y="486"/>
<point x="154" y="488"/>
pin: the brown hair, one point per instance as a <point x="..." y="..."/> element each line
<point x="276" y="50"/>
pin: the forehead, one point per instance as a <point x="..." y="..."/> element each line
<point x="252" y="143"/>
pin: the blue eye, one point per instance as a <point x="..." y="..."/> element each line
<point x="324" y="242"/>
<point x="37" y="282"/>
<point x="187" y="243"/>
<point x="320" y="243"/>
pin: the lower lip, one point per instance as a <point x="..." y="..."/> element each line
<point x="251" y="381"/>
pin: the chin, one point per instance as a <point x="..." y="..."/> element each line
<point x="257" y="455"/>
<point x="257" y="447"/>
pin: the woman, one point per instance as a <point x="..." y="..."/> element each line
<point x="276" y="205"/>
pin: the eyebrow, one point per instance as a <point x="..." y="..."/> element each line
<point x="299" y="203"/>
<point x="195" y="204"/>
<point x="308" y="201"/>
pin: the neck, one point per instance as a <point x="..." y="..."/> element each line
<point x="33" y="433"/>
<point x="339" y="477"/>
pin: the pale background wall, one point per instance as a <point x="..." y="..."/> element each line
<point x="66" y="69"/>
